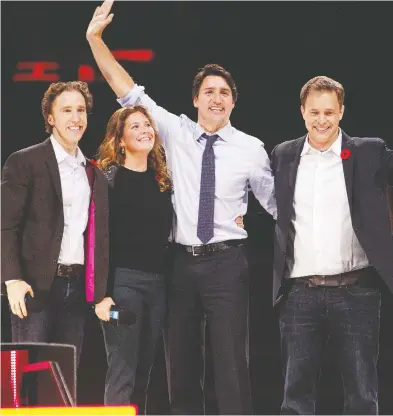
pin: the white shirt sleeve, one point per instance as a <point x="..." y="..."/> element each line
<point x="262" y="181"/>
<point x="11" y="281"/>
<point x="167" y="124"/>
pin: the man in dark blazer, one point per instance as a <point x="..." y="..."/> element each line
<point x="333" y="241"/>
<point x="54" y="226"/>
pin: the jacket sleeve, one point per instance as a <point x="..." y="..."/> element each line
<point x="15" y="188"/>
<point x="387" y="168"/>
<point x="273" y="160"/>
<point x="111" y="267"/>
<point x="387" y="164"/>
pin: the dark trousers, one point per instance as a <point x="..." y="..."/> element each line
<point x="131" y="348"/>
<point x="62" y="318"/>
<point x="216" y="286"/>
<point x="349" y="315"/>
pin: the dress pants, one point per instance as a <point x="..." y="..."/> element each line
<point x="131" y="348"/>
<point x="214" y="285"/>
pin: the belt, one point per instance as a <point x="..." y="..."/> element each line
<point x="361" y="276"/>
<point x="202" y="249"/>
<point x="71" y="270"/>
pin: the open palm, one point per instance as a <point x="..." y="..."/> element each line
<point x="101" y="19"/>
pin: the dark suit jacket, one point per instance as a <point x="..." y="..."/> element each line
<point x="368" y="173"/>
<point x="32" y="219"/>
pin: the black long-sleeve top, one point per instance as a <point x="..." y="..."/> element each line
<point x="140" y="221"/>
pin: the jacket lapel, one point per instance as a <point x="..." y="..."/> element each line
<point x="53" y="168"/>
<point x="90" y="176"/>
<point x="347" y="144"/>
<point x="90" y="237"/>
<point x="295" y="151"/>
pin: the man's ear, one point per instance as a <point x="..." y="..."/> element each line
<point x="341" y="111"/>
<point x="302" y="110"/>
<point x="51" y="120"/>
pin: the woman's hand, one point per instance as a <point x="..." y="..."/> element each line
<point x="103" y="308"/>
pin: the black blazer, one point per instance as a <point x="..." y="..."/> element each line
<point x="32" y="219"/>
<point x="368" y="173"/>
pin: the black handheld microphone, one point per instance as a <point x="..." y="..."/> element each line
<point x="121" y="316"/>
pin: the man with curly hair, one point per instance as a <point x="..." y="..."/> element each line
<point x="54" y="260"/>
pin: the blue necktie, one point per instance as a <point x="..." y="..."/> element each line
<point x="205" y="230"/>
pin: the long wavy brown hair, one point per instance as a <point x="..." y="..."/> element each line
<point x="109" y="152"/>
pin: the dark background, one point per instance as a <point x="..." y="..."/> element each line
<point x="271" y="49"/>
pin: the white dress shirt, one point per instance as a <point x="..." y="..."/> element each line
<point x="75" y="190"/>
<point x="324" y="240"/>
<point x="240" y="160"/>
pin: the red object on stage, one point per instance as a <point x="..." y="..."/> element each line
<point x="12" y="365"/>
<point x="24" y="383"/>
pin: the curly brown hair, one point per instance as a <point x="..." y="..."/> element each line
<point x="55" y="89"/>
<point x="109" y="150"/>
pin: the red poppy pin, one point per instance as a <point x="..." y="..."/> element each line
<point x="345" y="154"/>
<point x="94" y="162"/>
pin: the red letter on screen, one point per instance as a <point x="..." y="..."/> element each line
<point x="37" y="71"/>
<point x="86" y="73"/>
<point x="137" y="55"/>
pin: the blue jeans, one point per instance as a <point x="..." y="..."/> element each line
<point x="131" y="348"/>
<point x="350" y="316"/>
<point x="61" y="320"/>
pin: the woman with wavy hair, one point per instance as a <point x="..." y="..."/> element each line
<point x="140" y="210"/>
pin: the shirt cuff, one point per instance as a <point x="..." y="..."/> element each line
<point x="132" y="97"/>
<point x="7" y="282"/>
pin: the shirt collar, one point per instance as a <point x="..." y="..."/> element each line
<point x="61" y="154"/>
<point x="335" y="147"/>
<point x="224" y="133"/>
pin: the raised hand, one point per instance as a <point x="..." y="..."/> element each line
<point x="101" y="19"/>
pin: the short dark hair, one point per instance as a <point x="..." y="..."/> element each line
<point x="322" y="83"/>
<point x="217" y="70"/>
<point x="55" y="89"/>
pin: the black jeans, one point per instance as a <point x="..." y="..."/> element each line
<point x="61" y="320"/>
<point x="216" y="286"/>
<point x="350" y="316"/>
<point x="131" y="348"/>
